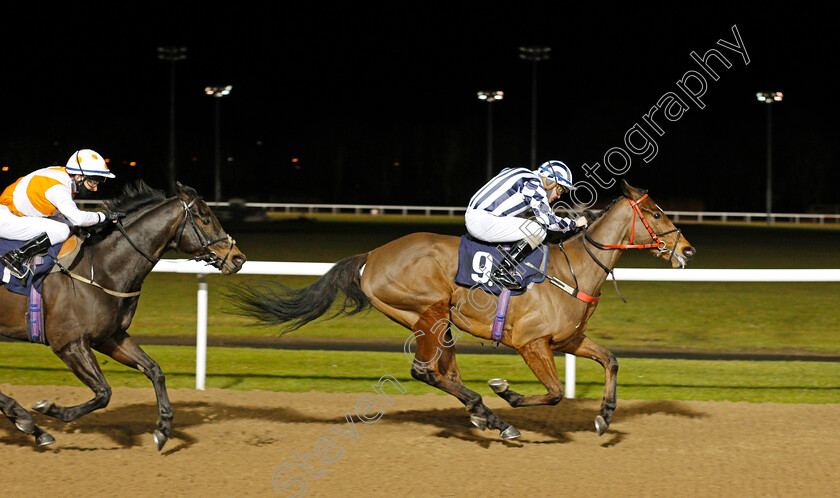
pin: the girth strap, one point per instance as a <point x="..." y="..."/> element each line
<point x="91" y="282"/>
<point x="96" y="284"/>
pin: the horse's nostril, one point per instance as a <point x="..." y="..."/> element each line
<point x="689" y="252"/>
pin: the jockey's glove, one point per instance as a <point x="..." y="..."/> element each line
<point x="113" y="216"/>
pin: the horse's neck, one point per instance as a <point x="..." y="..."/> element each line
<point x="612" y="228"/>
<point x="120" y="262"/>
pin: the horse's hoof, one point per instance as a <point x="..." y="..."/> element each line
<point x="44" y="439"/>
<point x="25" y="426"/>
<point x="160" y="439"/>
<point x="510" y="433"/>
<point x="43" y="406"/>
<point x="601" y="425"/>
<point x="479" y="422"/>
<point x="498" y="385"/>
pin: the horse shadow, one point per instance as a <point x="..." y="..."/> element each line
<point x="131" y="425"/>
<point x="555" y="423"/>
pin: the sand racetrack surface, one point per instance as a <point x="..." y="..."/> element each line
<point x="245" y="443"/>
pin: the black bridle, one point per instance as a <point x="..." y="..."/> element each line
<point x="207" y="255"/>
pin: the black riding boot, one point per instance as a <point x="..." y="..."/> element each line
<point x="15" y="259"/>
<point x="504" y="273"/>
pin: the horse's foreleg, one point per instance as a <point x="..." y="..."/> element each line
<point x="586" y="347"/>
<point x="82" y="362"/>
<point x="434" y="364"/>
<point x="540" y="359"/>
<point x="122" y="348"/>
<point x="23" y="420"/>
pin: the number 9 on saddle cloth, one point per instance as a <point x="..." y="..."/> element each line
<point x="477" y="260"/>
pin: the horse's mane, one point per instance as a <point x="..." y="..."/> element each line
<point x="563" y="237"/>
<point x="608" y="207"/>
<point x="612" y="203"/>
<point x="135" y="197"/>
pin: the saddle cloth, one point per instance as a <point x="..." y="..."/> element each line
<point x="64" y="253"/>
<point x="477" y="260"/>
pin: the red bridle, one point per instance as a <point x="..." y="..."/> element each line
<point x="656" y="243"/>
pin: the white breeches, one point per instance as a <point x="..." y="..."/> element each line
<point x="489" y="228"/>
<point x="15" y="227"/>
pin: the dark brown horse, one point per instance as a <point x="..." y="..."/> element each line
<point x="412" y="281"/>
<point x="80" y="315"/>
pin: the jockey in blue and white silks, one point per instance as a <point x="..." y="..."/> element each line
<point x="493" y="212"/>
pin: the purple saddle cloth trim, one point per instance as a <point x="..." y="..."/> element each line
<point x="501" y="314"/>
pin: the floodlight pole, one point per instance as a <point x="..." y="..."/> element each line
<point x="534" y="55"/>
<point x="769" y="98"/>
<point x="217" y="92"/>
<point x="172" y="55"/>
<point x="490" y="96"/>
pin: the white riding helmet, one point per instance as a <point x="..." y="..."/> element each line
<point x="88" y="163"/>
<point x="554" y="173"/>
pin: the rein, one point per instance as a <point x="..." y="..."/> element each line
<point x="656" y="242"/>
<point x="206" y="255"/>
<point x="141" y="251"/>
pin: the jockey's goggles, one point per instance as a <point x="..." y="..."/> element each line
<point x="561" y="189"/>
<point x="95" y="180"/>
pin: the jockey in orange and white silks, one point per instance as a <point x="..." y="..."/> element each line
<point x="493" y="212"/>
<point x="26" y="204"/>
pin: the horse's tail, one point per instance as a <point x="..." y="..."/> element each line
<point x="277" y="304"/>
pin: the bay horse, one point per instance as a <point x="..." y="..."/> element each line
<point x="91" y="303"/>
<point x="412" y="281"/>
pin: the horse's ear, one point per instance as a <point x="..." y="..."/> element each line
<point x="186" y="193"/>
<point x="626" y="189"/>
<point x="629" y="191"/>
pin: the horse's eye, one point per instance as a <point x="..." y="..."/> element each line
<point x="206" y="221"/>
<point x="657" y="216"/>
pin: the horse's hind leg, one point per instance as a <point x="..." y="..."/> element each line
<point x="540" y="358"/>
<point x="82" y="362"/>
<point x="434" y="364"/>
<point x="122" y="348"/>
<point x="23" y="420"/>
<point x="586" y="347"/>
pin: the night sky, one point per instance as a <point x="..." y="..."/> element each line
<point x="377" y="101"/>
